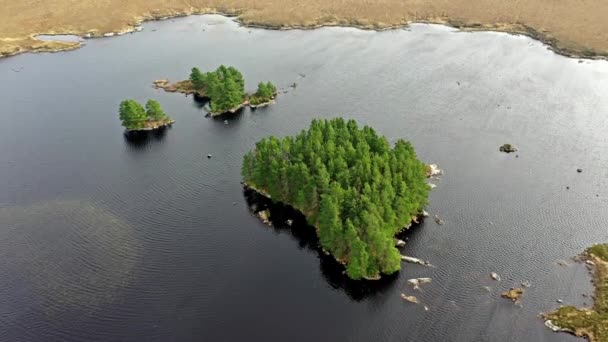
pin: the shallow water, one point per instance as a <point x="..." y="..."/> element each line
<point x="199" y="266"/>
<point x="59" y="37"/>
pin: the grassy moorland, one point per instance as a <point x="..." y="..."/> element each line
<point x="589" y="322"/>
<point x="572" y="27"/>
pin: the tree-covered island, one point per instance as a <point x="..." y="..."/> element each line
<point x="355" y="189"/>
<point x="224" y="87"/>
<point x="135" y="118"/>
<point x="589" y="322"/>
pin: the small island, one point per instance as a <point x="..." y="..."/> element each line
<point x="224" y="88"/>
<point x="355" y="189"/>
<point x="588" y="322"/>
<point x="135" y="118"/>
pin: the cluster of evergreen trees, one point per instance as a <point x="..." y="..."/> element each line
<point x="134" y="116"/>
<point x="356" y="190"/>
<point x="225" y="87"/>
<point x="266" y="92"/>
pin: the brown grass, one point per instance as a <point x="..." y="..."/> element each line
<point x="570" y="26"/>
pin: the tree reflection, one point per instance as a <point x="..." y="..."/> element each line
<point x="287" y="220"/>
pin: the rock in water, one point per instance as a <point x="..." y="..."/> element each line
<point x="507" y="148"/>
<point x="495" y="276"/>
<point x="399" y="243"/>
<point x="416" y="282"/>
<point x="415" y="260"/>
<point x="438" y="220"/>
<point x="264" y="216"/>
<point x="411" y="299"/>
<point x="579" y="170"/>
<point x="513" y="294"/>
<point x="433" y="170"/>
<point x="209" y="156"/>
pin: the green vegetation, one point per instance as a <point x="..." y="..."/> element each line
<point x="593" y="322"/>
<point x="135" y="117"/>
<point x="225" y="87"/>
<point x="350" y="184"/>
<point x="154" y="111"/>
<point x="264" y="94"/>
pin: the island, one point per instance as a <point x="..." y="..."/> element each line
<point x="348" y="182"/>
<point x="135" y="118"/>
<point x="588" y="322"/>
<point x="224" y="88"/>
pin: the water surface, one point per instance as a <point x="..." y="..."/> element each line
<point x="77" y="197"/>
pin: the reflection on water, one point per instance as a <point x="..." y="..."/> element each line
<point x="65" y="255"/>
<point x="140" y="139"/>
<point x="286" y="220"/>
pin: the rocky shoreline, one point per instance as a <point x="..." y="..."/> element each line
<point x="591" y="322"/>
<point x="153" y="125"/>
<point x="185" y="87"/>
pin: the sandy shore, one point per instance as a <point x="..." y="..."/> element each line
<point x="571" y="27"/>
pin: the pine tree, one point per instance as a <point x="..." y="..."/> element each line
<point x="132" y="114"/>
<point x="154" y="111"/>
<point x="197" y="78"/>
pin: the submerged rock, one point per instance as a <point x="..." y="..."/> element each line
<point x="415" y="260"/>
<point x="513" y="294"/>
<point x="264" y="216"/>
<point x="507" y="148"/>
<point x="411" y="299"/>
<point x="416" y="282"/>
<point x="438" y="220"/>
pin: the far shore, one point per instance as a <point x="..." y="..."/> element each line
<point x="570" y="28"/>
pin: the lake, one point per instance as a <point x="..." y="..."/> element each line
<point x="104" y="238"/>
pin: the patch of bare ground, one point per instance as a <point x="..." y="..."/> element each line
<point x="571" y="27"/>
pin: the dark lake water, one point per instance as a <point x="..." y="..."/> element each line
<point x="107" y="239"/>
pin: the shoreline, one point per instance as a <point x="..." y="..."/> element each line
<point x="589" y="322"/>
<point x="551" y="42"/>
<point x="185" y="87"/>
<point x="154" y="125"/>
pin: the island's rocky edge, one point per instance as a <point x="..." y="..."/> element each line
<point x="153" y="125"/>
<point x="185" y="87"/>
